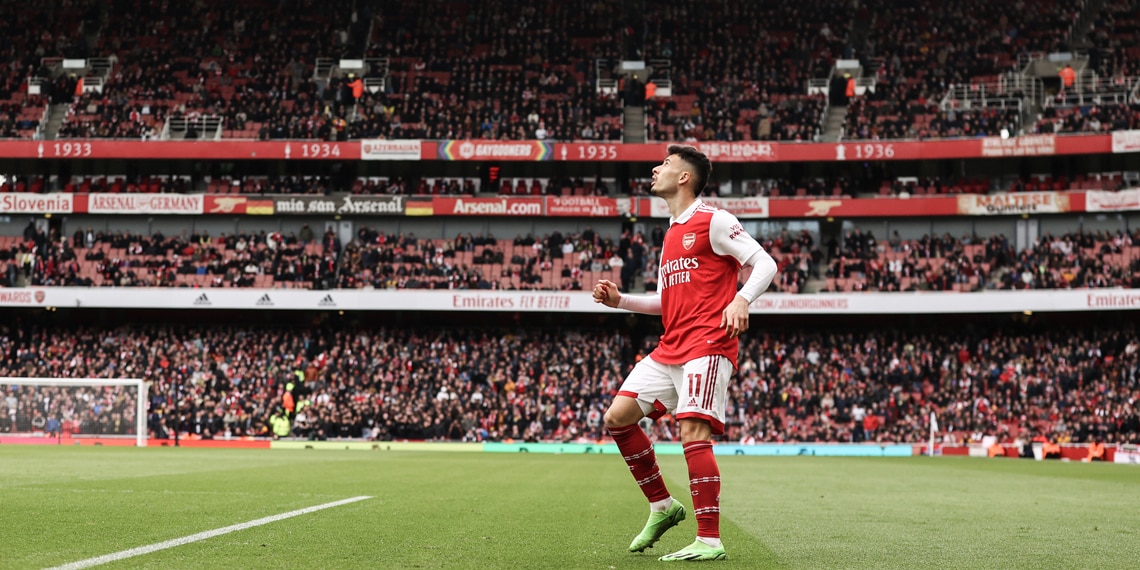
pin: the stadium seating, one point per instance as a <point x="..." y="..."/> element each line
<point x="536" y="76"/>
<point x="811" y="384"/>
<point x="944" y="263"/>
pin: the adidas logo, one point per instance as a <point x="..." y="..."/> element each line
<point x="327" y="302"/>
<point x="202" y="300"/>
<point x="265" y="301"/>
<point x="692" y="402"/>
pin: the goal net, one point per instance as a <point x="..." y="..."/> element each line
<point x="73" y="408"/>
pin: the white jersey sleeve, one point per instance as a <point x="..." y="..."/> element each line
<point x="729" y="238"/>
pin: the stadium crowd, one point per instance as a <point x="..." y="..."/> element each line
<point x="468" y="71"/>
<point x="1075" y="260"/>
<point x="483" y="384"/>
<point x="376" y="259"/>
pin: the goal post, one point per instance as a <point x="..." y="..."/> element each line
<point x="45" y="406"/>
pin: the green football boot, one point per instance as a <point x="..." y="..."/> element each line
<point x="658" y="523"/>
<point x="696" y="552"/>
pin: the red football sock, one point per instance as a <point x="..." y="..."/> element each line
<point x="704" y="482"/>
<point x="637" y="451"/>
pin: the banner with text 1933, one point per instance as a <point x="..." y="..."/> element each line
<point x="1013" y="203"/>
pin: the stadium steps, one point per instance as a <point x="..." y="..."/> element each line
<point x="813" y="285"/>
<point x="1088" y="16"/>
<point x="833" y="125"/>
<point x="56" y="115"/>
<point x="634" y="130"/>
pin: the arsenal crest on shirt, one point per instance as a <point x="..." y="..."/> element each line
<point x="688" y="241"/>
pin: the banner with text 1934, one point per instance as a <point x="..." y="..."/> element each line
<point x="1013" y="203"/>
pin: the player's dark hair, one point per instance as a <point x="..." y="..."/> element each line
<point x="702" y="166"/>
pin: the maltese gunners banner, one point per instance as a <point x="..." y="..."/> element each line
<point x="1013" y="203"/>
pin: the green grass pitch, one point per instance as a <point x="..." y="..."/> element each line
<point x="472" y="510"/>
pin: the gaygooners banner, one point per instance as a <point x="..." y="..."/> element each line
<point x="495" y="150"/>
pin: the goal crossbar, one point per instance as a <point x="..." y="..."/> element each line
<point x="138" y="383"/>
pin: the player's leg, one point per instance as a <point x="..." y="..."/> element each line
<point x="642" y="395"/>
<point x="700" y="411"/>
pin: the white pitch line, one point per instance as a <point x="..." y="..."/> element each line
<point x="200" y="536"/>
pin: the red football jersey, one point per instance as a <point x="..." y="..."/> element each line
<point x="696" y="283"/>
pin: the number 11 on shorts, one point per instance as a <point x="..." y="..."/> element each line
<point x="694" y="380"/>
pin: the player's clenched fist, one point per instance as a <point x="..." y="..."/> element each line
<point x="606" y="293"/>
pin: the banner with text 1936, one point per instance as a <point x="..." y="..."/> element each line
<point x="1013" y="203"/>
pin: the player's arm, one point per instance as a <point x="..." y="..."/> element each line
<point x="606" y="293"/>
<point x="729" y="238"/>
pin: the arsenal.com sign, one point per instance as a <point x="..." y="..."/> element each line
<point x="487" y="206"/>
<point x="22" y="203"/>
